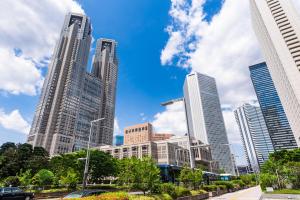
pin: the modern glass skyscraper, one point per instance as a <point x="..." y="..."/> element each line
<point x="255" y="136"/>
<point x="277" y="26"/>
<point x="205" y="119"/>
<point x="278" y="126"/>
<point x="71" y="97"/>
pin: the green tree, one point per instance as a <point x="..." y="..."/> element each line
<point x="6" y="146"/>
<point x="197" y="178"/>
<point x="267" y="180"/>
<point x="138" y="174"/>
<point x="43" y="177"/>
<point x="11" y="181"/>
<point x="101" y="165"/>
<point x="60" y="164"/>
<point x="25" y="178"/>
<point x="71" y="179"/>
<point x="186" y="176"/>
<point x="294" y="174"/>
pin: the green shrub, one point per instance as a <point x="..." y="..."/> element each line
<point x="162" y="197"/>
<point x="210" y="188"/>
<point x="228" y="184"/>
<point x="267" y="180"/>
<point x="168" y="188"/>
<point x="222" y="187"/>
<point x="140" y="197"/>
<point x="182" y="192"/>
<point x="156" y="189"/>
<point x="11" y="181"/>
<point x="202" y="191"/>
<point x="166" y="197"/>
<point x="43" y="177"/>
<point x="239" y="182"/>
<point x="110" y="196"/>
<point x="197" y="192"/>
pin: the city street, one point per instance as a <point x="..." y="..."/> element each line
<point x="253" y="193"/>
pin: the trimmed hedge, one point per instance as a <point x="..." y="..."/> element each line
<point x="210" y="188"/>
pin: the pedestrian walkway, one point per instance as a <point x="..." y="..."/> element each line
<point x="253" y="193"/>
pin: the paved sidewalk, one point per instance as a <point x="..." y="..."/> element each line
<point x="253" y="193"/>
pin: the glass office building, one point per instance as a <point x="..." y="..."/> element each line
<point x="277" y="123"/>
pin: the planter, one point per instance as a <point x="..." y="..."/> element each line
<point x="196" y="197"/>
<point x="221" y="192"/>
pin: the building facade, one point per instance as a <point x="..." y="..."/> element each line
<point x="204" y="117"/>
<point x="105" y="67"/>
<point x="139" y="133"/>
<point x="118" y="140"/>
<point x="71" y="97"/>
<point x="161" y="136"/>
<point x="173" y="151"/>
<point x="277" y="26"/>
<point x="255" y="136"/>
<point x="277" y="123"/>
<point x="142" y="133"/>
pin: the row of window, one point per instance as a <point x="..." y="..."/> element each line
<point x="136" y="130"/>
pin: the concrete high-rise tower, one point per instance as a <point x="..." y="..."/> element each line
<point x="277" y="26"/>
<point x="71" y="97"/>
<point x="205" y="119"/>
<point x="105" y="67"/>
<point x="255" y="136"/>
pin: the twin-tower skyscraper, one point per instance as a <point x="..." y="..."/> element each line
<point x="71" y="97"/>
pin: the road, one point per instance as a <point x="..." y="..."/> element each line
<point x="253" y="193"/>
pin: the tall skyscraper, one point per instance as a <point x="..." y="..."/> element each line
<point x="105" y="67"/>
<point x="277" y="27"/>
<point x="277" y="123"/>
<point x="71" y="97"/>
<point x="205" y="119"/>
<point x="255" y="136"/>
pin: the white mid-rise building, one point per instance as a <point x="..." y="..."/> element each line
<point x="204" y="117"/>
<point x="277" y="26"/>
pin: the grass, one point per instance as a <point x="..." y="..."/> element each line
<point x="285" y="191"/>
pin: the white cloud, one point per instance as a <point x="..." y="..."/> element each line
<point x="14" y="121"/>
<point x="18" y="75"/>
<point x="172" y="120"/>
<point x="31" y="27"/>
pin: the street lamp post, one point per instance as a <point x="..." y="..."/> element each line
<point x="191" y="155"/>
<point x="87" y="158"/>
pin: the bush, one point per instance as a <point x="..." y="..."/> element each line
<point x="11" y="181"/>
<point x="239" y="182"/>
<point x="267" y="180"/>
<point x="110" y="196"/>
<point x="168" y="188"/>
<point x="139" y="197"/>
<point x="156" y="189"/>
<point x="210" y="188"/>
<point x="222" y="187"/>
<point x="166" y="197"/>
<point x="162" y="197"/>
<point x="182" y="192"/>
<point x="43" y="177"/>
<point x="228" y="184"/>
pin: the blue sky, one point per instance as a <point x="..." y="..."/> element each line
<point x="159" y="42"/>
